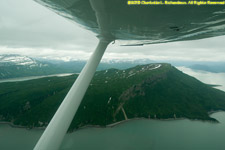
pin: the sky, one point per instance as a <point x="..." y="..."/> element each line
<point x="27" y="28"/>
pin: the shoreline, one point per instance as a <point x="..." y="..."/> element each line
<point x="20" y="79"/>
<point x="21" y="127"/>
<point x="112" y="124"/>
<point x="215" y="111"/>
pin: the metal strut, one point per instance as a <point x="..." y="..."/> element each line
<point x="53" y="135"/>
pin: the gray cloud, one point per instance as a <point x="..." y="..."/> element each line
<point x="28" y="28"/>
<point x="25" y="23"/>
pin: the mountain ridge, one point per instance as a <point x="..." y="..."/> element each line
<point x="157" y="91"/>
<point x="13" y="66"/>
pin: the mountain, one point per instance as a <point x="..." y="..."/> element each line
<point x="77" y="66"/>
<point x="12" y="66"/>
<point x="157" y="91"/>
<point x="215" y="68"/>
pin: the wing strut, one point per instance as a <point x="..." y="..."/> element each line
<point x="54" y="133"/>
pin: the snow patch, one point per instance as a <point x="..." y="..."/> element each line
<point x="109" y="100"/>
<point x="131" y="75"/>
<point x="150" y="67"/>
<point x="106" y="71"/>
<point x="17" y="60"/>
<point x="156" y="67"/>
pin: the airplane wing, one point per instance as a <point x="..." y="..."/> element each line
<point x="147" y="24"/>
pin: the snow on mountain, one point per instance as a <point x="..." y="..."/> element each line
<point x="13" y="66"/>
<point x="131" y="61"/>
<point x="18" y="60"/>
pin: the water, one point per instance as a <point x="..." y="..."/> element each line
<point x="33" y="77"/>
<point x="17" y="138"/>
<point x="152" y="135"/>
<point x="135" y="134"/>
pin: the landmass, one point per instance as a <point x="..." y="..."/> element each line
<point x="153" y="91"/>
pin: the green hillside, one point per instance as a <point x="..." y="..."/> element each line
<point x="155" y="90"/>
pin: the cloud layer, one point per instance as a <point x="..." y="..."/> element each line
<point x="28" y="28"/>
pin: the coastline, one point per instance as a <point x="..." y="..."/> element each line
<point x="215" y="111"/>
<point x="89" y="126"/>
<point x="112" y="124"/>
<point x="19" y="79"/>
<point x="19" y="126"/>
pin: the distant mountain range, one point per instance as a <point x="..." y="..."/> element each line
<point x="76" y="66"/>
<point x="215" y="68"/>
<point x="13" y="66"/>
<point x="155" y="91"/>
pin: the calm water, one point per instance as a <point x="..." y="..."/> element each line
<point x="132" y="135"/>
<point x="33" y="77"/>
<point x="135" y="134"/>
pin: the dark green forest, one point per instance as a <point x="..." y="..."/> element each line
<point x="157" y="91"/>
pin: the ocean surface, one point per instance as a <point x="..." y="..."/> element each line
<point x="33" y="77"/>
<point x="141" y="134"/>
